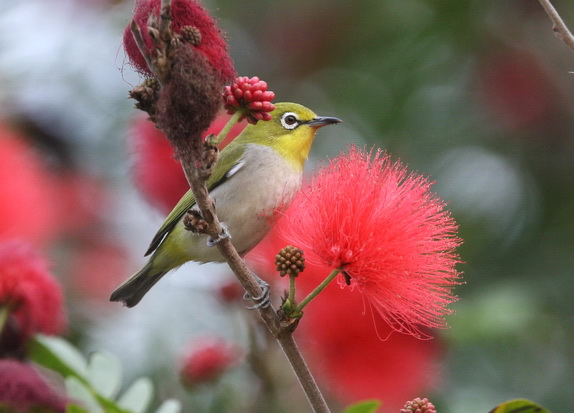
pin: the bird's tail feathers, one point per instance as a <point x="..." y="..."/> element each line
<point x="132" y="290"/>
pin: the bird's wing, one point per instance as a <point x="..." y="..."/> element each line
<point x="230" y="161"/>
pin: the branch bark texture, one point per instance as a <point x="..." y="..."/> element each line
<point x="559" y="27"/>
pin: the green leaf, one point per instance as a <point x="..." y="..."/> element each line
<point x="72" y="408"/>
<point x="169" y="406"/>
<point x="366" y="406"/>
<point x="519" y="406"/>
<point x="138" y="397"/>
<point x="58" y="355"/>
<point x="78" y="392"/>
<point x="104" y="374"/>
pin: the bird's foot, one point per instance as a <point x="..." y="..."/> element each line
<point x="212" y="242"/>
<point x="261" y="301"/>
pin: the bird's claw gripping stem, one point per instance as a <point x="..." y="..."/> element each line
<point x="261" y="301"/>
<point x="212" y="242"/>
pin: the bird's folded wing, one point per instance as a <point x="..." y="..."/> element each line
<point x="226" y="167"/>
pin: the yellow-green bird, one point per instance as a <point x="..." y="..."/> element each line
<point x="257" y="173"/>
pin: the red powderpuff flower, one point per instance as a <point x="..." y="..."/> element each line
<point x="251" y="96"/>
<point x="341" y="344"/>
<point x="418" y="406"/>
<point x="185" y="14"/>
<point x="388" y="233"/>
<point x="207" y="359"/>
<point x="22" y="390"/>
<point x="29" y="292"/>
<point x="156" y="172"/>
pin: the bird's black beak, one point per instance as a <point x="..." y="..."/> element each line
<point x="320" y="121"/>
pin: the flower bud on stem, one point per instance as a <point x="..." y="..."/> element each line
<point x="318" y="289"/>
<point x="228" y="126"/>
<point x="4" y="314"/>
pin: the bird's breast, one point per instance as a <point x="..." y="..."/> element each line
<point x="248" y="202"/>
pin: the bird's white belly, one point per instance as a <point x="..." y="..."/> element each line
<point x="248" y="202"/>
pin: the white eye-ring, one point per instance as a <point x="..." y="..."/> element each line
<point x="289" y="120"/>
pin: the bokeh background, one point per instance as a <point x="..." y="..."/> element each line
<point x="477" y="94"/>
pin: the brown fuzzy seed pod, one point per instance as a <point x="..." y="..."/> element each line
<point x="190" y="34"/>
<point x="290" y="261"/>
<point x="146" y="95"/>
<point x="188" y="103"/>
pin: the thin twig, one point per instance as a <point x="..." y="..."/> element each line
<point x="137" y="34"/>
<point x="559" y="27"/>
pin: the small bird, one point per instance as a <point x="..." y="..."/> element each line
<point x="257" y="174"/>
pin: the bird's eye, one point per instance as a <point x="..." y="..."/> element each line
<point x="289" y="120"/>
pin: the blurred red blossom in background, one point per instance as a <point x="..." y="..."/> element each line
<point x="97" y="266"/>
<point x="156" y="172"/>
<point x="23" y="390"/>
<point x="390" y="235"/>
<point x="29" y="293"/>
<point x="28" y="209"/>
<point x="518" y="90"/>
<point x="341" y="340"/>
<point x="206" y="359"/>
<point x="185" y="13"/>
<point x="41" y="203"/>
<point x="230" y="292"/>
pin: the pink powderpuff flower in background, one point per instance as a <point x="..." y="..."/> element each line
<point x="97" y="266"/>
<point x="29" y="292"/>
<point x="23" y="390"/>
<point x="207" y="359"/>
<point x="156" y="172"/>
<point x="185" y="13"/>
<point x="342" y="345"/>
<point x="391" y="236"/>
<point x="28" y="203"/>
<point x="518" y="91"/>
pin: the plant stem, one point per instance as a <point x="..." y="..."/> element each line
<point x="303" y="373"/>
<point x="228" y="126"/>
<point x="4" y="314"/>
<point x="559" y="27"/>
<point x="291" y="297"/>
<point x="318" y="289"/>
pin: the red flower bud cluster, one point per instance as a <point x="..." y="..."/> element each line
<point x="418" y="406"/>
<point x="251" y="96"/>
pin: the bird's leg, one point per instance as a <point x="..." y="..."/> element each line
<point x="212" y="242"/>
<point x="263" y="300"/>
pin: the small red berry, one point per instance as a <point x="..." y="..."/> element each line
<point x="251" y="96"/>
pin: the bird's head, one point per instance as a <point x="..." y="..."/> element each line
<point x="290" y="131"/>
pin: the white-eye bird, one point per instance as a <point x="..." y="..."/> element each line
<point x="258" y="173"/>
